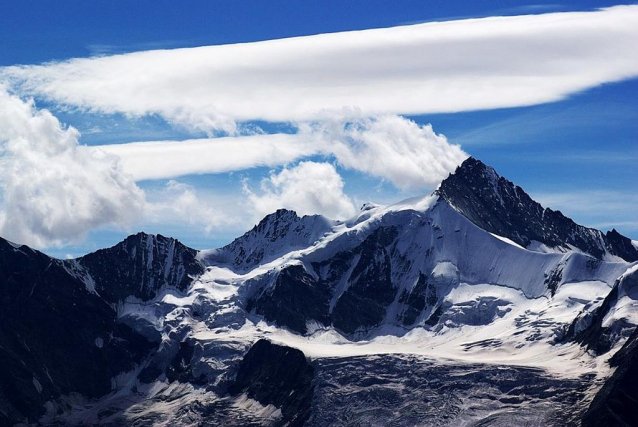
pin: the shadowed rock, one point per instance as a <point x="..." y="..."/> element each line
<point x="276" y="375"/>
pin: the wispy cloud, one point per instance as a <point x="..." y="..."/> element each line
<point x="177" y="203"/>
<point x="170" y="159"/>
<point x="435" y="67"/>
<point x="556" y="121"/>
<point x="53" y="190"/>
<point x="389" y="147"/>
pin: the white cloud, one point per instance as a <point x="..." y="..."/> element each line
<point x="308" y="188"/>
<point x="435" y="67"/>
<point x="180" y="204"/>
<point x="52" y="189"/>
<point x="393" y="148"/>
<point x="169" y="159"/>
<point x="389" y="147"/>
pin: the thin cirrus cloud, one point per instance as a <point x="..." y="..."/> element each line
<point x="452" y="66"/>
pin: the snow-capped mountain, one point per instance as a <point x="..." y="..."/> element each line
<point x="499" y="206"/>
<point x="470" y="306"/>
<point x="393" y="267"/>
<point x="274" y="236"/>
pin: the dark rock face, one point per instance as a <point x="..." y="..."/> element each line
<point x="365" y="301"/>
<point x="500" y="207"/>
<point x="180" y="368"/>
<point x="422" y="295"/>
<point x="140" y="266"/>
<point x="621" y="245"/>
<point x="615" y="403"/>
<point x="278" y="233"/>
<point x="176" y="362"/>
<point x="56" y="336"/>
<point x="277" y="375"/>
<point x="595" y="336"/>
<point x="552" y="280"/>
<point x="295" y="299"/>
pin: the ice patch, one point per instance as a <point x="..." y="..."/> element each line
<point x="177" y="300"/>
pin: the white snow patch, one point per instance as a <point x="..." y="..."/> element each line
<point x="445" y="269"/>
<point x="178" y="301"/>
<point x="257" y="409"/>
<point x="15" y="245"/>
<point x="37" y="385"/>
<point x="506" y="240"/>
<point x="626" y="309"/>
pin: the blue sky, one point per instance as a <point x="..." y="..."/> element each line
<point x="39" y="31"/>
<point x="576" y="153"/>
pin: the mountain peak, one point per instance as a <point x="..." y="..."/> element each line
<point x="146" y="238"/>
<point x="280" y="216"/>
<point x="622" y="245"/>
<point x="277" y="233"/>
<point x="158" y="262"/>
<point x="499" y="206"/>
<point x="476" y="175"/>
<point x="472" y="163"/>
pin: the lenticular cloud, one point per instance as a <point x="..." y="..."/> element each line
<point x="452" y="66"/>
<point x="389" y="147"/>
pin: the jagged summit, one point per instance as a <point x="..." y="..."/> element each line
<point x="499" y="206"/>
<point x="277" y="233"/>
<point x="140" y="266"/>
<point x="622" y="245"/>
